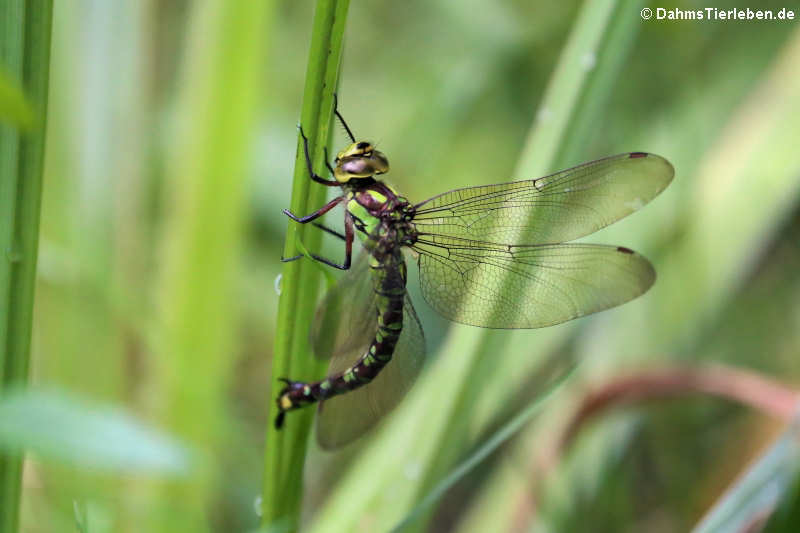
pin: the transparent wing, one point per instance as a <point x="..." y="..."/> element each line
<point x="345" y="321"/>
<point x="556" y="208"/>
<point x="502" y="286"/>
<point x="342" y="419"/>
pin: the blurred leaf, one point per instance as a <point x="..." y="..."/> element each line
<point x="14" y="107"/>
<point x="740" y="194"/>
<point x="277" y="527"/>
<point x="744" y="189"/>
<point x="588" y="473"/>
<point x="206" y="171"/>
<point x="787" y="515"/>
<point x="760" y="489"/>
<point x="66" y="429"/>
<point x="581" y="82"/>
<point x="79" y="510"/>
<point x="502" y="435"/>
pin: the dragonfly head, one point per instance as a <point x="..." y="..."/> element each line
<point x="359" y="160"/>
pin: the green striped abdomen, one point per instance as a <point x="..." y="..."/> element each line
<point x="388" y="271"/>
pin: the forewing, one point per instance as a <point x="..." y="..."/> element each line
<point x="552" y="209"/>
<point x="497" y="286"/>
<point x="343" y="418"/>
<point x="345" y="321"/>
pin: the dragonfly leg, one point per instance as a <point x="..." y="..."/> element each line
<point x="333" y="232"/>
<point x="316" y="214"/>
<point x="330" y="168"/>
<point x="323" y="228"/>
<point x="341" y="119"/>
<point x="319" y="258"/>
<point x="315" y="176"/>
<point x="348" y="246"/>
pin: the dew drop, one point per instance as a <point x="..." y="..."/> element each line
<point x="544" y="115"/>
<point x="588" y="60"/>
<point x="412" y="470"/>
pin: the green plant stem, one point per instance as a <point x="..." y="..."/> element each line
<point x="216" y="122"/>
<point x="285" y="449"/>
<point x="25" y="53"/>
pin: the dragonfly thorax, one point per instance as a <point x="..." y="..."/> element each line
<point x="379" y="211"/>
<point x="359" y="160"/>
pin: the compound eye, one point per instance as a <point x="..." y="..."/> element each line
<point x="362" y="145"/>
<point x="356" y="167"/>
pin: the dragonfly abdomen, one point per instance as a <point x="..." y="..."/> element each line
<point x="379" y="353"/>
<point x="389" y="275"/>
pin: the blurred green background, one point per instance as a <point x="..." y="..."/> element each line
<point x="449" y="91"/>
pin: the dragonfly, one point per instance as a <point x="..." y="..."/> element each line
<point x="493" y="256"/>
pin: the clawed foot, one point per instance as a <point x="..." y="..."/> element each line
<point x="290" y="259"/>
<point x="284" y="402"/>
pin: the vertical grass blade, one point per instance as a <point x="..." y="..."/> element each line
<point x="25" y="55"/>
<point x="206" y="168"/>
<point x="285" y="449"/>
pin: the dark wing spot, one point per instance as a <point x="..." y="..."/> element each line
<point x="636" y="155"/>
<point x="624" y="250"/>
